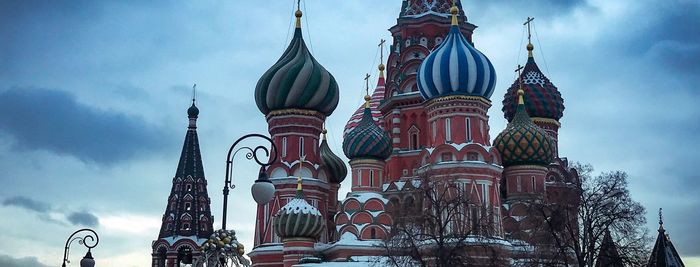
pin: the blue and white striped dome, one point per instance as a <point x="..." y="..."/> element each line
<point x="456" y="68"/>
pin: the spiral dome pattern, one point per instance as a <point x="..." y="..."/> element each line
<point x="335" y="167"/>
<point x="367" y="140"/>
<point x="298" y="218"/>
<point x="456" y="68"/>
<point x="297" y="80"/>
<point x="542" y="98"/>
<point x="523" y="142"/>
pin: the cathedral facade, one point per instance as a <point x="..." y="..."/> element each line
<point x="425" y="122"/>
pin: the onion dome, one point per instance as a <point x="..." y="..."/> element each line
<point x="297" y="81"/>
<point x="193" y="111"/>
<point x="367" y="140"/>
<point x="298" y="218"/>
<point x="456" y="68"/>
<point x="374" y="102"/>
<point x="335" y="167"/>
<point x="523" y="142"/>
<point x="542" y="98"/>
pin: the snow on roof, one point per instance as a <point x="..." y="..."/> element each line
<point x="298" y="205"/>
<point x="268" y="247"/>
<point x="172" y="239"/>
<point x="363" y="197"/>
<point x="354" y="261"/>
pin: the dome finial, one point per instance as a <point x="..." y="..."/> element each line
<point x="381" y="58"/>
<point x="454" y="10"/>
<point x="661" y="219"/>
<point x="324" y="131"/>
<point x="521" y="101"/>
<point x="298" y="14"/>
<point x="367" y="97"/>
<point x="193" y="111"/>
<point x="530" y="47"/>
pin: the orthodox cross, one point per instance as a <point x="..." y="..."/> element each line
<point x="520" y="79"/>
<point x="298" y="4"/>
<point x="527" y="22"/>
<point x="194" y="92"/>
<point x="381" y="50"/>
<point x="367" y="83"/>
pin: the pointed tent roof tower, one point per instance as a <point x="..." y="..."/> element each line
<point x="664" y="253"/>
<point x="608" y="255"/>
<point x="543" y="99"/>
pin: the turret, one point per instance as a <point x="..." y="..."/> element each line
<point x="187" y="221"/>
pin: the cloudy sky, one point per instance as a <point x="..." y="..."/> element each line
<point x="95" y="92"/>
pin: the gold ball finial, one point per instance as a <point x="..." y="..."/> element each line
<point x="530" y="47"/>
<point x="521" y="92"/>
<point x="297" y="14"/>
<point x="454" y="10"/>
<point x="381" y="67"/>
<point x="367" y="98"/>
<point x="324" y="131"/>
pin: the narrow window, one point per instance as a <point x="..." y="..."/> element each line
<point x="519" y="184"/>
<point x="371" y="177"/>
<point x="284" y="146"/>
<point x="359" y="177"/>
<point x="188" y="206"/>
<point x="469" y="129"/>
<point x="189" y="187"/>
<point x="373" y="233"/>
<point x="533" y="184"/>
<point x="434" y="130"/>
<point x="301" y="146"/>
<point x="448" y="133"/>
<point x="485" y="193"/>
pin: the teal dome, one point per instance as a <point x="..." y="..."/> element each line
<point x="298" y="218"/>
<point x="367" y="140"/>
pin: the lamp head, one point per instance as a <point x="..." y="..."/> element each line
<point x="263" y="190"/>
<point x="87" y="261"/>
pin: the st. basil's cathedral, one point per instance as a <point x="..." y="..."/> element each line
<point x="425" y="121"/>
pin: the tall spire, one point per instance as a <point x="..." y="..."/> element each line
<point x="530" y="47"/>
<point x="664" y="253"/>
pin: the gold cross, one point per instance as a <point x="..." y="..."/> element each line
<point x="367" y="83"/>
<point x="194" y="92"/>
<point x="381" y="50"/>
<point x="527" y="22"/>
<point x="520" y="79"/>
<point x="298" y="4"/>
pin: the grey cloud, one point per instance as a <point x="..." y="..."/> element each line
<point x="83" y="218"/>
<point x="27" y="203"/>
<point x="8" y="261"/>
<point x="41" y="119"/>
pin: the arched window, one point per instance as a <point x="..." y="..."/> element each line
<point x="448" y="133"/>
<point x="413" y="138"/>
<point x="468" y="123"/>
<point x="188" y="205"/>
<point x="372" y="234"/>
<point x="284" y="146"/>
<point x="371" y="177"/>
<point x="359" y="177"/>
<point x="301" y="146"/>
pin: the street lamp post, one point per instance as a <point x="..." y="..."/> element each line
<point x="87" y="261"/>
<point x="262" y="190"/>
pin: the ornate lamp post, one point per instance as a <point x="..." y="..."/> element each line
<point x="87" y="261"/>
<point x="223" y="248"/>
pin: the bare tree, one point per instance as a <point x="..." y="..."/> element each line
<point x="446" y="226"/>
<point x="573" y="235"/>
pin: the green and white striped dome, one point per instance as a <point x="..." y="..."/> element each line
<point x="297" y="81"/>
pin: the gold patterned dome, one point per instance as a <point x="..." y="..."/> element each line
<point x="523" y="142"/>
